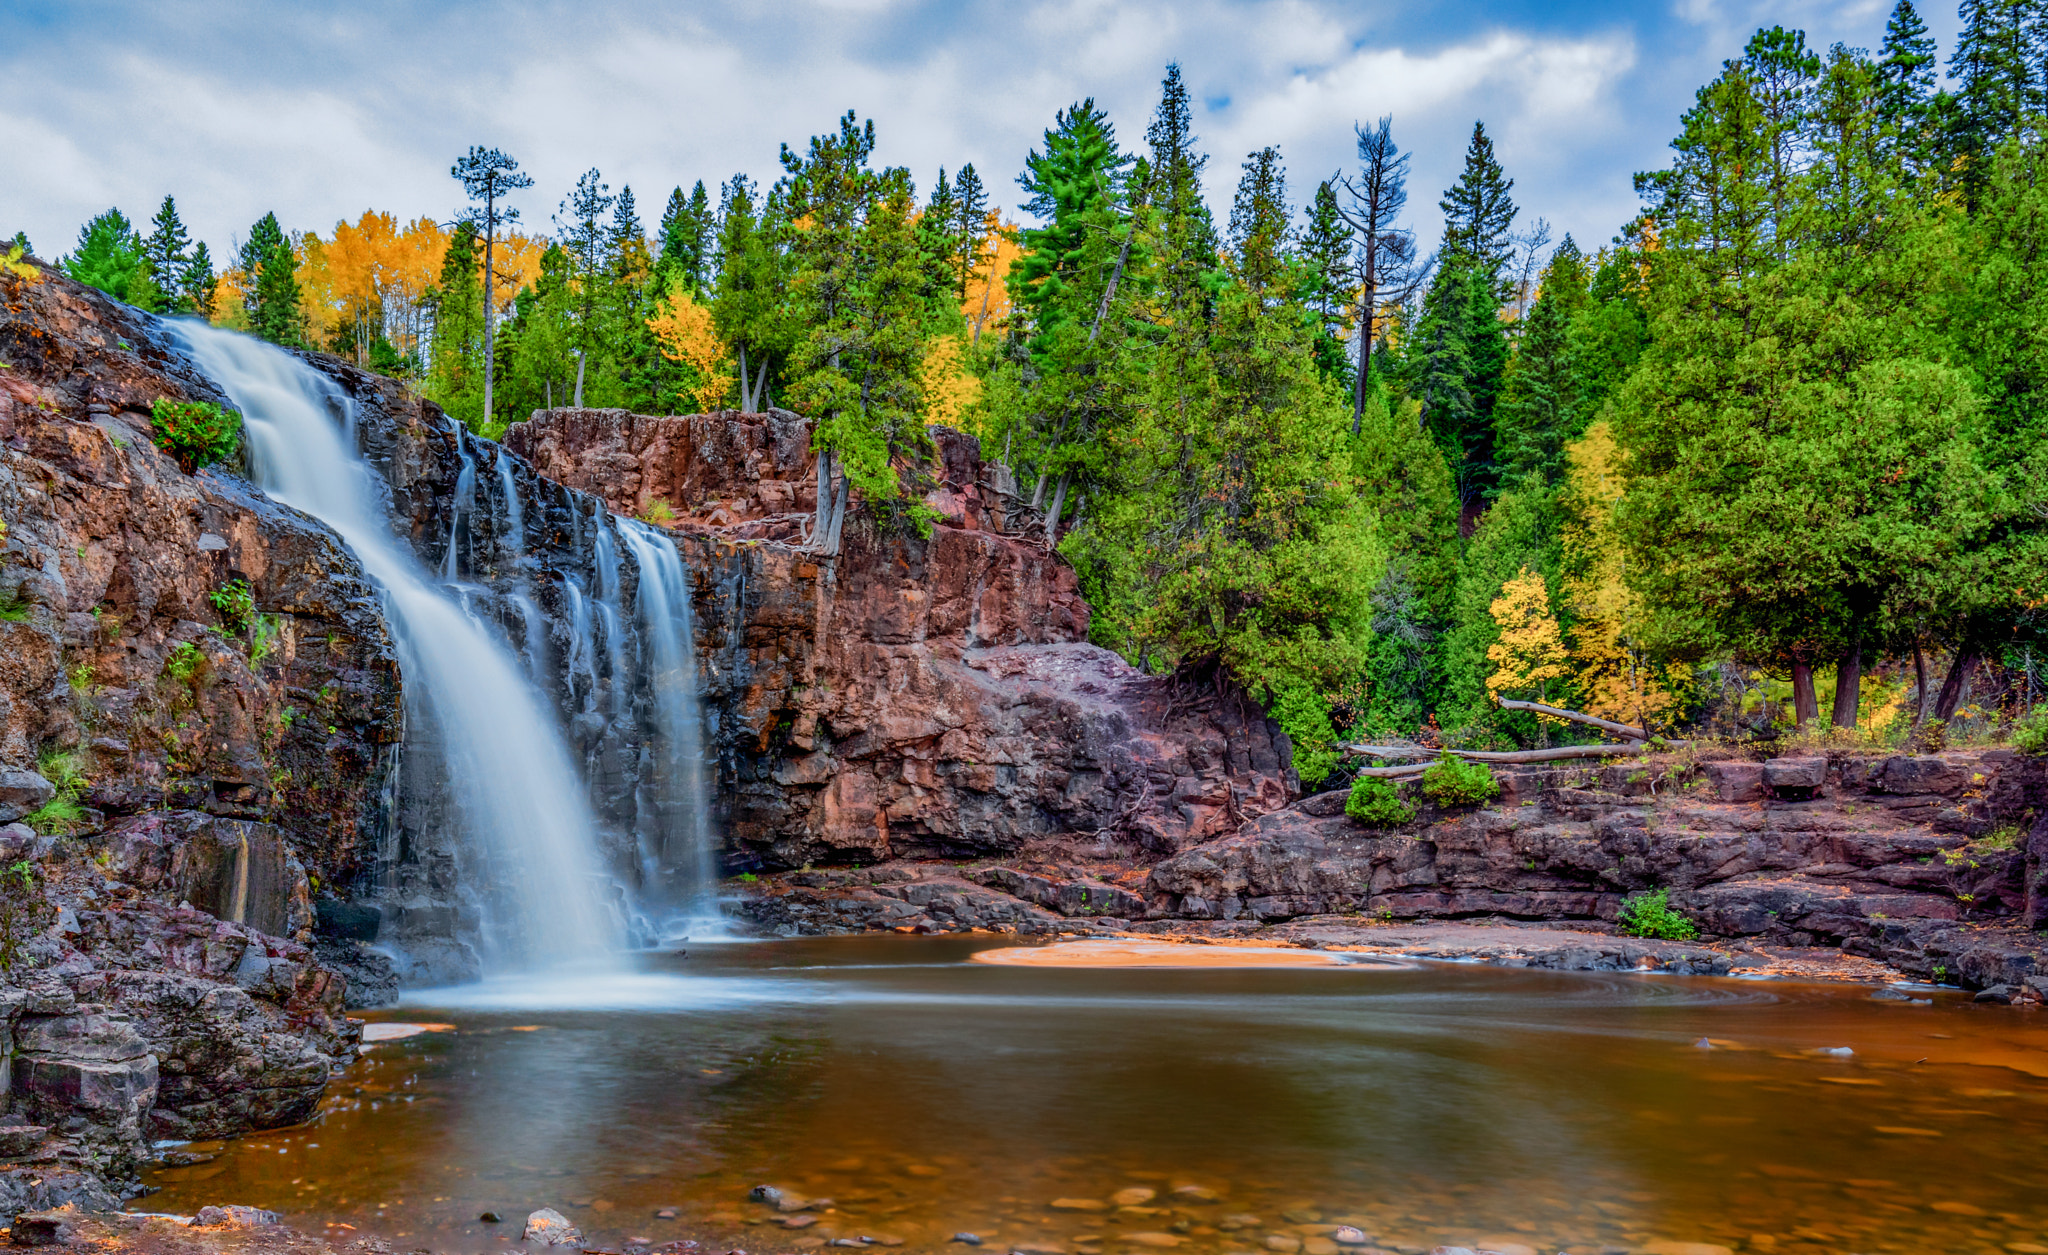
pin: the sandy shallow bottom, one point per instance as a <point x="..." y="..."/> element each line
<point x="1139" y="953"/>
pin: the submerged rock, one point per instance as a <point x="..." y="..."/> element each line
<point x="548" y="1227"/>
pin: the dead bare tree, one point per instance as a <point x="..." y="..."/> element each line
<point x="1387" y="270"/>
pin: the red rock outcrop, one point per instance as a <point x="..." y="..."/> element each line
<point x="912" y="695"/>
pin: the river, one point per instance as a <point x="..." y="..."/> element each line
<point x="926" y="1096"/>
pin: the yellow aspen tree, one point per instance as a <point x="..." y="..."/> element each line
<point x="1614" y="675"/>
<point x="1530" y="652"/>
<point x="684" y="330"/>
<point x="946" y="387"/>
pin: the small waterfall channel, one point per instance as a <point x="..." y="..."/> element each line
<point x="523" y="695"/>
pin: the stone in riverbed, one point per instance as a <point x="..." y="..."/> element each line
<point x="1195" y="1194"/>
<point x="548" y="1227"/>
<point x="1286" y="1243"/>
<point x="1994" y="993"/>
<point x="1346" y="1235"/>
<point x="1078" y="1204"/>
<point x="967" y="1239"/>
<point x="799" y="1222"/>
<point x="1318" y="1246"/>
<point x="235" y="1217"/>
<point x="1663" y="1247"/>
<point x="1796" y="776"/>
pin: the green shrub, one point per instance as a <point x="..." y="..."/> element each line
<point x="196" y="433"/>
<point x="14" y="604"/>
<point x="1649" y="914"/>
<point x="1376" y="803"/>
<point x="1453" y="781"/>
<point x="235" y="604"/>
<point x="2030" y="735"/>
<point x="63" y="812"/>
<point x="263" y="636"/>
<point x="184" y="662"/>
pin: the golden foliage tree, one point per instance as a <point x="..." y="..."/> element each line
<point x="1530" y="652"/>
<point x="685" y="332"/>
<point x="1616" y="677"/>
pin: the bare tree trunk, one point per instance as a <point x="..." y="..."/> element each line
<point x="1805" y="706"/>
<point x="1849" y="685"/>
<point x="490" y="327"/>
<point x="579" y="378"/>
<point x="823" y="507"/>
<point x="1952" y="687"/>
<point x="1365" y="297"/>
<point x="746" y="383"/>
<point x="1052" y="517"/>
<point x="761" y="389"/>
<point x="1920" y="686"/>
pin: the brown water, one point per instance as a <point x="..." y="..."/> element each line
<point x="927" y="1095"/>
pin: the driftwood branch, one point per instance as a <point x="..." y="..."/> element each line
<point x="1558" y="712"/>
<point x="1488" y="756"/>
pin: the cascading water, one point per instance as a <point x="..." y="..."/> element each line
<point x="516" y="789"/>
<point x="680" y="853"/>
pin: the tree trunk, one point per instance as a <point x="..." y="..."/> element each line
<point x="1920" y="685"/>
<point x="1052" y="517"/>
<point x="1805" y="706"/>
<point x="760" y="393"/>
<point x="1365" y="297"/>
<point x="580" y="357"/>
<point x="1849" y="685"/>
<point x="840" y="492"/>
<point x="490" y="324"/>
<point x="746" y="382"/>
<point x="1952" y="687"/>
<point x="822" y="520"/>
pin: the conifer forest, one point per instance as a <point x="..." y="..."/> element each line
<point x="1767" y="461"/>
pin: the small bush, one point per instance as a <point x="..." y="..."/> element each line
<point x="15" y="605"/>
<point x="1376" y="803"/>
<point x="196" y="433"/>
<point x="1453" y="781"/>
<point x="264" y="632"/>
<point x="63" y="812"/>
<point x="658" y="512"/>
<point x="1650" y="915"/>
<point x="2030" y="735"/>
<point x="184" y="662"/>
<point x="235" y="604"/>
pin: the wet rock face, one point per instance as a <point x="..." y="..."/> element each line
<point x="911" y="696"/>
<point x="114" y="649"/>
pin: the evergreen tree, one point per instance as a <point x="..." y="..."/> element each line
<point x="857" y="281"/>
<point x="455" y="366"/>
<point x="109" y="257"/>
<point x="1327" y="277"/>
<point x="1439" y="372"/>
<point x="168" y="252"/>
<point x="1261" y="234"/>
<point x="1186" y="246"/>
<point x="971" y="207"/>
<point x="1540" y="410"/>
<point x="270" y="294"/>
<point x="489" y="175"/>
<point x="1997" y="69"/>
<point x="1479" y="215"/>
<point x="686" y="241"/>
<point x="750" y="306"/>
<point x="1906" y="65"/>
<point x="1387" y="273"/>
<point x="196" y="285"/>
<point x="586" y="238"/>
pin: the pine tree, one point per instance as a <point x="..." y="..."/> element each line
<point x="270" y="293"/>
<point x="1995" y="66"/>
<point x="456" y="362"/>
<point x="1906" y="66"/>
<point x="971" y="207"/>
<point x="1186" y="247"/>
<point x="686" y="241"/>
<point x="1439" y="373"/>
<point x="168" y="252"/>
<point x="1540" y="410"/>
<point x="585" y="237"/>
<point x="110" y="257"/>
<point x="1328" y="278"/>
<point x="1479" y="216"/>
<point x="1387" y="274"/>
<point x="489" y="175"/>
<point x="196" y="285"/>
<point x="1261" y="234"/>
<point x="749" y="307"/>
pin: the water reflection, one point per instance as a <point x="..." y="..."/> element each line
<point x="925" y="1096"/>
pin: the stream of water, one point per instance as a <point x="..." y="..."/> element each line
<point x="517" y="789"/>
<point x="926" y="1096"/>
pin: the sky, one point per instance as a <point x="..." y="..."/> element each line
<point x="320" y="111"/>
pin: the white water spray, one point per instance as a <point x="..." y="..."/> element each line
<point x="516" y="790"/>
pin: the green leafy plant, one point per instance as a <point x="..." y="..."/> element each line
<point x="63" y="812"/>
<point x="185" y="661"/>
<point x="1376" y="803"/>
<point x="196" y="433"/>
<point x="81" y="677"/>
<point x="1649" y="914"/>
<point x="658" y="512"/>
<point x="235" y="604"/>
<point x="15" y="605"/>
<point x="748" y="878"/>
<point x="24" y="910"/>
<point x="2004" y="838"/>
<point x="2030" y="735"/>
<point x="263" y="637"/>
<point x="1453" y="781"/>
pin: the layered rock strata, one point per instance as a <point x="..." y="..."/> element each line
<point x="912" y="695"/>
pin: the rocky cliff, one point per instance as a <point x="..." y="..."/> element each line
<point x="912" y="696"/>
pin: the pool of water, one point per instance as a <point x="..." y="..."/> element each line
<point x="926" y="1095"/>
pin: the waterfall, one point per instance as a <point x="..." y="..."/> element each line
<point x="682" y="857"/>
<point x="515" y="789"/>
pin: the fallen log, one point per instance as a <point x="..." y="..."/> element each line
<point x="1559" y="712"/>
<point x="1551" y="755"/>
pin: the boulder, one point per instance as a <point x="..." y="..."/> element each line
<point x="234" y="1216"/>
<point x="548" y="1227"/>
<point x="22" y="792"/>
<point x="1735" y="781"/>
<point x="1796" y="776"/>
